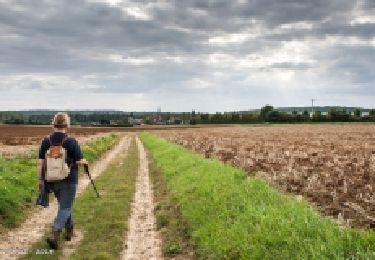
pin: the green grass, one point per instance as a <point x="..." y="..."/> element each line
<point x="93" y="150"/>
<point x="232" y="216"/>
<point x="173" y="230"/>
<point x="104" y="220"/>
<point x="18" y="181"/>
<point x="18" y="187"/>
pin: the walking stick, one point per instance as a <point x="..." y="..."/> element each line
<point x="92" y="182"/>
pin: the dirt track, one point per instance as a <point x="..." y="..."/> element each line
<point x="19" y="240"/>
<point x="142" y="240"/>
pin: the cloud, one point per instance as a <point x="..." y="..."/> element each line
<point x="265" y="50"/>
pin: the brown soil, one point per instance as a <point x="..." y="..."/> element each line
<point x="24" y="145"/>
<point x="16" y="139"/>
<point x="10" y="134"/>
<point x="333" y="166"/>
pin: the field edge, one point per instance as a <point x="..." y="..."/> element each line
<point x="291" y="216"/>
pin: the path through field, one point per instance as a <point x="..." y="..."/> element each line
<point x="142" y="240"/>
<point x="21" y="239"/>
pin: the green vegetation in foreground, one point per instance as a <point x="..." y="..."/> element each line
<point x="172" y="228"/>
<point x="104" y="221"/>
<point x="233" y="216"/>
<point x="93" y="150"/>
<point x="18" y="180"/>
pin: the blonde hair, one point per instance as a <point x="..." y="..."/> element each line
<point x="61" y="120"/>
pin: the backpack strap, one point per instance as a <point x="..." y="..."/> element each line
<point x="60" y="144"/>
<point x="48" y="137"/>
<point x="64" y="139"/>
<point x="70" y="161"/>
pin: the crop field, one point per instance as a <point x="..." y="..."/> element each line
<point x="10" y="134"/>
<point x="173" y="202"/>
<point x="16" y="139"/>
<point x="230" y="215"/>
<point x="22" y="139"/>
<point x="28" y="135"/>
<point x="332" y="166"/>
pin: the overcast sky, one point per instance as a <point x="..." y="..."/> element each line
<point x="181" y="55"/>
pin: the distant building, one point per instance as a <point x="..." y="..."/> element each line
<point x="365" y="113"/>
<point x="175" y="121"/>
<point x="135" y="121"/>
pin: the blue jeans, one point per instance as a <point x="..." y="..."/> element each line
<point x="65" y="193"/>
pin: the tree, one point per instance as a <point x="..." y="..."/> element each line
<point x="318" y="117"/>
<point x="193" y="114"/>
<point x="275" y="116"/>
<point x="265" y="111"/>
<point x="235" y="118"/>
<point x="104" y="122"/>
<point x="217" y="118"/>
<point x="357" y="113"/>
<point x="338" y="116"/>
<point x="250" y="118"/>
<point x="12" y="118"/>
<point x="205" y="117"/>
<point x="305" y="116"/>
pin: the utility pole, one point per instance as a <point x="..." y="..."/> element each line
<point x="312" y="106"/>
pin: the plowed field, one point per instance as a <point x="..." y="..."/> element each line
<point x="333" y="166"/>
<point x="19" y="139"/>
<point x="16" y="139"/>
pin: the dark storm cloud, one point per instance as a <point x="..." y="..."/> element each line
<point x="222" y="15"/>
<point x="368" y="5"/>
<point x="49" y="37"/>
<point x="166" y="77"/>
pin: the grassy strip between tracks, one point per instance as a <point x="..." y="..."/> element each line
<point x="18" y="180"/>
<point x="172" y="228"/>
<point x="104" y="221"/>
<point x="232" y="216"/>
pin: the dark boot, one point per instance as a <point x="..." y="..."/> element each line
<point x="53" y="239"/>
<point x="68" y="233"/>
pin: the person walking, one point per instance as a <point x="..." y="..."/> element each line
<point x="59" y="158"/>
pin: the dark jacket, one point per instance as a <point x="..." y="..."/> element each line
<point x="43" y="198"/>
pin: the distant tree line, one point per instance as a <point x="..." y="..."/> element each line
<point x="269" y="114"/>
<point x="98" y="119"/>
<point x="11" y="118"/>
<point x="266" y="114"/>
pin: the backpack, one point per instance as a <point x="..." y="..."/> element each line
<point x="56" y="168"/>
